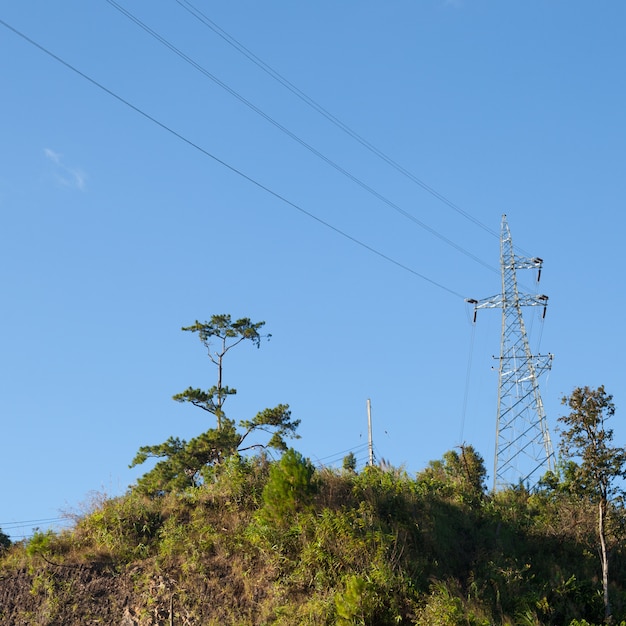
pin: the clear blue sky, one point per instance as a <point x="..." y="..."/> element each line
<point x="120" y="224"/>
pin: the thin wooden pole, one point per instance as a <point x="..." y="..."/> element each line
<point x="369" y="433"/>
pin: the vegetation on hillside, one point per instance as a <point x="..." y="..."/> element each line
<point x="212" y="536"/>
<point x="280" y="542"/>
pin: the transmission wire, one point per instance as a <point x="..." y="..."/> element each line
<point x="204" y="19"/>
<point x="227" y="165"/>
<point x="297" y="139"/>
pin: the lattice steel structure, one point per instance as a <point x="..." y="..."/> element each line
<point x="523" y="446"/>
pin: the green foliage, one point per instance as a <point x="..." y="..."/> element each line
<point x="356" y="605"/>
<point x="279" y="542"/>
<point x="276" y="422"/>
<point x="290" y="488"/>
<point x="442" y="608"/>
<point x="222" y="327"/>
<point x="237" y="484"/>
<point x="210" y="401"/>
<point x="5" y="541"/>
<point x="40" y="544"/>
<point x="185" y="464"/>
<point x="587" y="437"/>
<point x="461" y="475"/>
<point x="124" y="528"/>
<point x="349" y="462"/>
<point x="227" y="334"/>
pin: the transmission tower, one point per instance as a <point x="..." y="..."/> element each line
<point x="523" y="446"/>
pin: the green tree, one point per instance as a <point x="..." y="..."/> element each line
<point x="587" y="439"/>
<point x="5" y="541"/>
<point x="462" y="474"/>
<point x="349" y="462"/>
<point x="289" y="489"/>
<point x="226" y="334"/>
<point x="184" y="463"/>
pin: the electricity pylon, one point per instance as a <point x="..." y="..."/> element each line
<point x="523" y="446"/>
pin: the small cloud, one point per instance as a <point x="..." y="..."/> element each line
<point x="65" y="175"/>
<point x="55" y="157"/>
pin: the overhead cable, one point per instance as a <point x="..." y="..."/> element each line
<point x="49" y="520"/>
<point x="227" y="165"/>
<point x="204" y="19"/>
<point x="297" y="139"/>
<point x="268" y="69"/>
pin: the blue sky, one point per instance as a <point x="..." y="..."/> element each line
<point x="159" y="188"/>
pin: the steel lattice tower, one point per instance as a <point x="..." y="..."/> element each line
<point x="523" y="446"/>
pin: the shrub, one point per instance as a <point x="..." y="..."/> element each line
<point x="127" y="527"/>
<point x="5" y="541"/>
<point x="290" y="488"/>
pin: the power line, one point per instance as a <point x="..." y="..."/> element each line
<point x="268" y="69"/>
<point x="227" y="165"/>
<point x="204" y="19"/>
<point x="17" y="530"/>
<point x="338" y="456"/>
<point x="49" y="520"/>
<point x="297" y="139"/>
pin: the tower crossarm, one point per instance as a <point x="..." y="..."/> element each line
<point x="523" y="263"/>
<point x="539" y="363"/>
<point x="500" y="302"/>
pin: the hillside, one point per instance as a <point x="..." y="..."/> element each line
<point x="282" y="543"/>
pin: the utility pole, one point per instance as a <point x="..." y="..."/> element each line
<point x="523" y="446"/>
<point x="370" y="441"/>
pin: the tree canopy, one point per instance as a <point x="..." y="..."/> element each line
<point x="5" y="541"/>
<point x="225" y="335"/>
<point x="462" y="473"/>
<point x="185" y="463"/>
<point x="594" y="464"/>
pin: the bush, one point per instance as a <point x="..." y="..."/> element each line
<point x="5" y="541"/>
<point x="290" y="488"/>
<point x="356" y="604"/>
<point x="126" y="527"/>
<point x="40" y="544"/>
